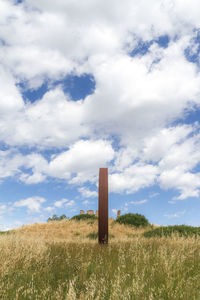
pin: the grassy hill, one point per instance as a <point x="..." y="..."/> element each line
<point x="59" y="260"/>
<point x="75" y="231"/>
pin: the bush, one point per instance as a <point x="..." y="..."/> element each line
<point x="136" y="220"/>
<point x="56" y="218"/>
<point x="84" y="217"/>
<point x="168" y="231"/>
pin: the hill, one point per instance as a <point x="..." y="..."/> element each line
<point x="72" y="230"/>
<point x="61" y="260"/>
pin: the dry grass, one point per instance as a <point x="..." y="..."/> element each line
<point x="50" y="261"/>
<point x="75" y="230"/>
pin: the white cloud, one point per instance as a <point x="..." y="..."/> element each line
<point x="86" y="202"/>
<point x="135" y="101"/>
<point x="138" y="202"/>
<point x="157" y="146"/>
<point x="70" y="203"/>
<point x="86" y="193"/>
<point x="60" y="203"/>
<point x="78" y="164"/>
<point x="114" y="211"/>
<point x="32" y="179"/>
<point x="176" y="167"/>
<point x="52" y="121"/>
<point x="171" y="202"/>
<point x="33" y="204"/>
<point x="49" y="208"/>
<point x="131" y="110"/>
<point x="11" y="100"/>
<point x="3" y="209"/>
<point x="10" y="163"/>
<point x="83" y="159"/>
<point x="187" y="183"/>
<point x="133" y="178"/>
<point x="64" y="202"/>
<point x="152" y="195"/>
<point x="175" y="215"/>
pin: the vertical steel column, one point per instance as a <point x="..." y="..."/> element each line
<point x="103" y="206"/>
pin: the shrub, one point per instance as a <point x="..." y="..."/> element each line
<point x="168" y="231"/>
<point x="84" y="217"/>
<point x="136" y="220"/>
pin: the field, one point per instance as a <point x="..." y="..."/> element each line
<point x="57" y="260"/>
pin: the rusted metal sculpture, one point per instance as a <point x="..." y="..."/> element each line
<point x="103" y="206"/>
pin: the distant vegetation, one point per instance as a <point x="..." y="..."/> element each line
<point x="84" y="217"/>
<point x="6" y="232"/>
<point x="56" y="218"/>
<point x="136" y="220"/>
<point x="168" y="231"/>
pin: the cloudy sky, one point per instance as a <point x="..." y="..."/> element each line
<point x="99" y="83"/>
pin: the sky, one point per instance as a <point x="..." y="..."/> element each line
<point x="92" y="84"/>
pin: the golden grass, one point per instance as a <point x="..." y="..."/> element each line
<point x="52" y="262"/>
<point x="74" y="230"/>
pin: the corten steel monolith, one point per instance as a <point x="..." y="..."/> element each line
<point x="103" y="206"/>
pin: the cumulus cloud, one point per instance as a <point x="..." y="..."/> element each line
<point x="49" y="208"/>
<point x="60" y="203"/>
<point x="133" y="178"/>
<point x="70" y="203"/>
<point x="64" y="202"/>
<point x="10" y="163"/>
<point x="86" y="193"/>
<point x="177" y="167"/>
<point x="78" y="164"/>
<point x="128" y="122"/>
<point x="33" y="204"/>
<point x="52" y="121"/>
<point x="82" y="159"/>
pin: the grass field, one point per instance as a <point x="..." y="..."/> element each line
<point x="58" y="261"/>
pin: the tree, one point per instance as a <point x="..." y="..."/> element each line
<point x="56" y="218"/>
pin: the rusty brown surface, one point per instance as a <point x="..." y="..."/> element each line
<point x="103" y="206"/>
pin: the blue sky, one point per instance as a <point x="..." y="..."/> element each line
<point x="85" y="86"/>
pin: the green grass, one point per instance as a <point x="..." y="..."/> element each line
<point x="140" y="269"/>
<point x="178" y="230"/>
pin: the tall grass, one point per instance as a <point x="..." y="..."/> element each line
<point x="50" y="261"/>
